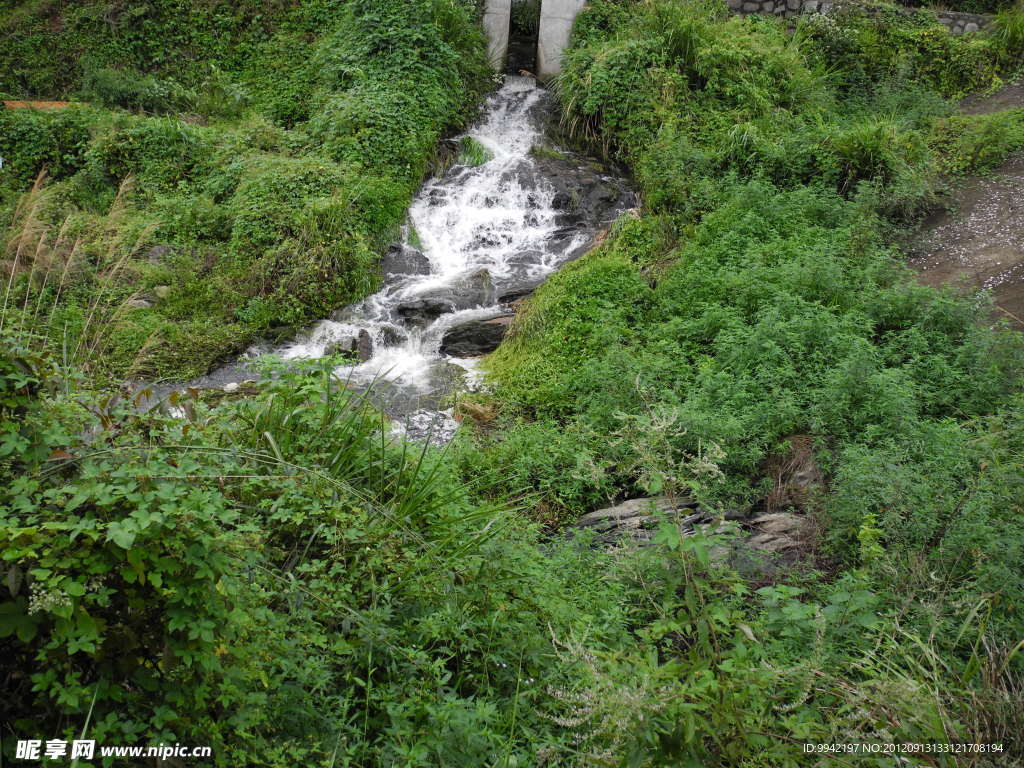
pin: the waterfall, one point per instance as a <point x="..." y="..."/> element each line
<point x="477" y="237"/>
<point x="498" y="217"/>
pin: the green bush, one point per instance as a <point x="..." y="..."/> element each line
<point x="133" y="90"/>
<point x="36" y="140"/>
<point x="1008" y="32"/>
<point x="272" y="223"/>
<point x="977" y="143"/>
<point x="866" y="43"/>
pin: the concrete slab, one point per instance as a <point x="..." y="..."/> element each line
<point x="556" y="20"/>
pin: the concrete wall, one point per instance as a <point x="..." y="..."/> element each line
<point x="497" y="17"/>
<point x="556" y="20"/>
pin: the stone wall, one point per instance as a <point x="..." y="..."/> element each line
<point x="956" y="23"/>
<point x="963" y="23"/>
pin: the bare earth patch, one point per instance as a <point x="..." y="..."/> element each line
<point x="979" y="241"/>
<point x="11" y="104"/>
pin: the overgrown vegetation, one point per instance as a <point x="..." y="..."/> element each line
<point x="755" y="299"/>
<point x="260" y="160"/>
<point x="278" y="577"/>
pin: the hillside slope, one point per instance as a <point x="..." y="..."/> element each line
<point x="236" y="171"/>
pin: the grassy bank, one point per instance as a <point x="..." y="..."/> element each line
<point x="235" y="174"/>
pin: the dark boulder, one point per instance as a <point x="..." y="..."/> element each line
<point x="364" y="345"/>
<point x="404" y="260"/>
<point x="519" y="287"/>
<point x="466" y="291"/>
<point x="477" y="337"/>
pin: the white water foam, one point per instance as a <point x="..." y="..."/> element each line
<point x="497" y="216"/>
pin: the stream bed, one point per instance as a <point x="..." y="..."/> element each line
<point x="478" y="238"/>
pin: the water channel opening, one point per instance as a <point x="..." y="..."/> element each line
<point x="523" y="32"/>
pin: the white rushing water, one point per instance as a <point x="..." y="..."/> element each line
<point x="467" y="220"/>
<point x="498" y="217"/>
<point x="476" y="238"/>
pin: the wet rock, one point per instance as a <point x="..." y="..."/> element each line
<point x="584" y="196"/>
<point x="466" y="291"/>
<point x="476" y="337"/>
<point x="637" y="519"/>
<point x="424" y="311"/>
<point x="391" y="336"/>
<point x="364" y="345"/>
<point x="518" y="287"/>
<point x="341" y="347"/>
<point x="403" y="260"/>
<point x="525" y="258"/>
<point x="158" y="254"/>
<point x="140" y="303"/>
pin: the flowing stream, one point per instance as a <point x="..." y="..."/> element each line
<point x="477" y="238"/>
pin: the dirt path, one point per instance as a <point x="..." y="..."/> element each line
<point x="9" y="104"/>
<point x="979" y="241"/>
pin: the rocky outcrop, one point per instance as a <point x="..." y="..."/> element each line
<point x="777" y="532"/>
<point x="638" y="519"/>
<point x="403" y="260"/>
<point x="469" y="290"/>
<point x="764" y="540"/>
<point x="586" y="197"/>
<point x="476" y="337"/>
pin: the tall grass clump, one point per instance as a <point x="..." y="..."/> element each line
<point x="1008" y="33"/>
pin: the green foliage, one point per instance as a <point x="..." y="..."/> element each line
<point x="1008" y="31"/>
<point x="274" y="578"/>
<point x="34" y="140"/>
<point x="271" y="195"/>
<point x="525" y="18"/>
<point x="847" y="101"/>
<point x="132" y="90"/>
<point x="780" y="315"/>
<point x="472" y="152"/>
<point x="977" y="143"/>
<point x="872" y="42"/>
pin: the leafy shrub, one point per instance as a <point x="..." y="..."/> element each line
<point x="35" y="140"/>
<point x="977" y="143"/>
<point x="472" y="152"/>
<point x="133" y="90"/>
<point x="525" y="18"/>
<point x="1008" y="32"/>
<point x="868" y="43"/>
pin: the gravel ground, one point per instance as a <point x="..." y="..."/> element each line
<point x="979" y="242"/>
